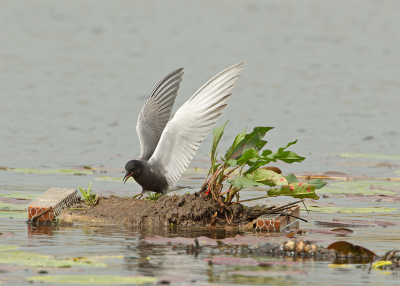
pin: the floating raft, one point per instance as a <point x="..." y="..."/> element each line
<point x="50" y="204"/>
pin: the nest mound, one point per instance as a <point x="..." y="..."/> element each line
<point x="188" y="209"/>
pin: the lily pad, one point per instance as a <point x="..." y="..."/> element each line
<point x="42" y="260"/>
<point x="12" y="207"/>
<point x="113" y="179"/>
<point x="351" y="210"/>
<point x="365" y="184"/>
<point x="355" y="223"/>
<point x="7" y="214"/>
<point x="8" y="247"/>
<point x="21" y="196"/>
<point x="376" y="156"/>
<point x="92" y="279"/>
<point x="51" y="171"/>
<point x="354" y="191"/>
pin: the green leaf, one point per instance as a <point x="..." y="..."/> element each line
<point x="318" y="183"/>
<point x="267" y="177"/>
<point x="248" y="155"/>
<point x="289" y="157"/>
<point x="377" y="156"/>
<point x="232" y="162"/>
<point x="53" y="171"/>
<point x="251" y="140"/>
<point x="217" y="134"/>
<point x="350" y="210"/>
<point x="297" y="190"/>
<point x="42" y="260"/>
<point x="280" y="150"/>
<point x="244" y="182"/>
<point x="291" y="178"/>
<point x="92" y="279"/>
<point x="8" y="247"/>
<point x="85" y="197"/>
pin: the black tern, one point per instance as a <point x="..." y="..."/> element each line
<point x="168" y="144"/>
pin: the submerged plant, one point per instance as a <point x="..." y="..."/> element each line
<point x="246" y="156"/>
<point x="88" y="196"/>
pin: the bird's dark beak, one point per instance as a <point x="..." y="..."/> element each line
<point x="127" y="175"/>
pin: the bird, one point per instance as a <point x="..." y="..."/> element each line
<point x="168" y="143"/>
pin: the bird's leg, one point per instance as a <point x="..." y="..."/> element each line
<point x="139" y="195"/>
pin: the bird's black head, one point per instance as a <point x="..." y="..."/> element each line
<point x="133" y="169"/>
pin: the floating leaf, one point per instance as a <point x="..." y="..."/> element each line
<point x="92" y="279"/>
<point x="8" y="247"/>
<point x="355" y="223"/>
<point x="12" y="207"/>
<point x="351" y="210"/>
<point x="377" y="156"/>
<point x="8" y="214"/>
<point x="354" y="191"/>
<point x="42" y="260"/>
<point x="52" y="171"/>
<point x="297" y="190"/>
<point x="347" y="248"/>
<point x="21" y="196"/>
<point x="113" y="179"/>
<point x="365" y="184"/>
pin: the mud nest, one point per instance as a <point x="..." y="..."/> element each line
<point x="188" y="209"/>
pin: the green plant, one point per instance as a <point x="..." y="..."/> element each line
<point x="246" y="151"/>
<point x="153" y="196"/>
<point x="88" y="196"/>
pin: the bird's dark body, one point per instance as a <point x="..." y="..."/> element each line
<point x="147" y="176"/>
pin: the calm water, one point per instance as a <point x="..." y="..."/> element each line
<point x="74" y="76"/>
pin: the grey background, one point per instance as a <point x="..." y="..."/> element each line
<point x="75" y="74"/>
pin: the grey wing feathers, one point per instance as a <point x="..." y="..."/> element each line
<point x="191" y="124"/>
<point x="156" y="112"/>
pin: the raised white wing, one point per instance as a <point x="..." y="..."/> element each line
<point x="191" y="124"/>
<point x="156" y="112"/>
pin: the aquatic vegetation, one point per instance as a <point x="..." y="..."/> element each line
<point x="376" y="156"/>
<point x="8" y="247"/>
<point x="51" y="171"/>
<point x="42" y="260"/>
<point x="348" y="210"/>
<point x="246" y="151"/>
<point x="88" y="196"/>
<point x="92" y="279"/>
